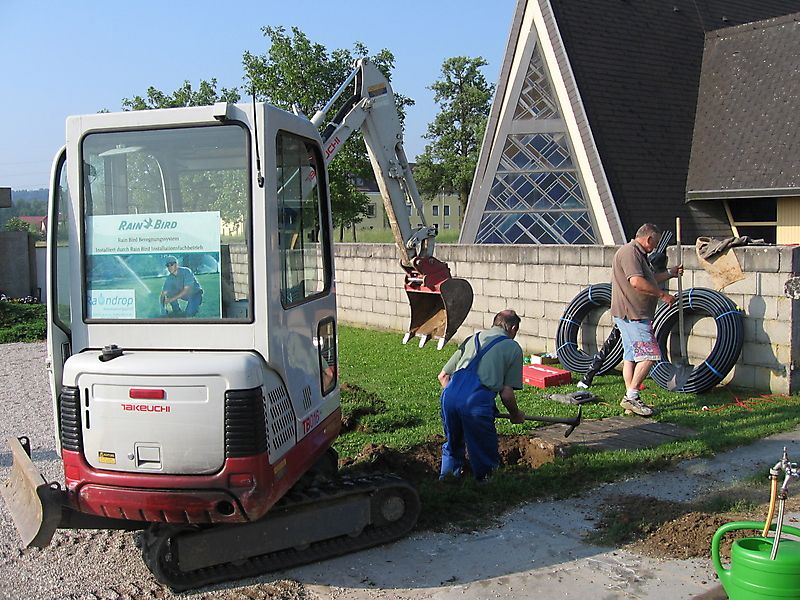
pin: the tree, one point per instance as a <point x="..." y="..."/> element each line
<point x="205" y="95"/>
<point x="449" y="161"/>
<point x="296" y="73"/>
<point x="17" y="224"/>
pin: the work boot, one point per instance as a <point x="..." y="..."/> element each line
<point x="635" y="407"/>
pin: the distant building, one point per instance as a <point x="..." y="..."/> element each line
<point x="38" y="224"/>
<point x="443" y="211"/>
<point x="600" y="105"/>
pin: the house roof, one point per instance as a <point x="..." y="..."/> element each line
<point x="637" y="68"/>
<point x="746" y="141"/>
<point x="38" y="221"/>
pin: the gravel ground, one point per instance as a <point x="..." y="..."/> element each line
<point x="85" y="564"/>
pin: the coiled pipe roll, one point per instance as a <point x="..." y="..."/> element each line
<point x="727" y="348"/>
<point x="570" y="356"/>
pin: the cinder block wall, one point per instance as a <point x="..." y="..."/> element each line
<point x="18" y="271"/>
<point x="540" y="281"/>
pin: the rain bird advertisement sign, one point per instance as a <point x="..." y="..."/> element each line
<point x="150" y="266"/>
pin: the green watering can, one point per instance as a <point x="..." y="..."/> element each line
<point x="752" y="575"/>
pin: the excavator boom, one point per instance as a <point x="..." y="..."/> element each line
<point x="439" y="302"/>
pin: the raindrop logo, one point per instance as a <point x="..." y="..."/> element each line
<point x="112" y="304"/>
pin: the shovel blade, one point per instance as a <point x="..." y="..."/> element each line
<point x="439" y="314"/>
<point x="34" y="505"/>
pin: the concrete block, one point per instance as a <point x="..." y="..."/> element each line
<point x="529" y="255"/>
<point x="761" y="307"/>
<point x="789" y="259"/>
<point x="567" y="292"/>
<point x="532" y="309"/>
<point x="480" y="304"/>
<point x="599" y="275"/>
<point x="773" y="332"/>
<point x="548" y="255"/>
<point x="570" y="255"/>
<point x="381" y="293"/>
<point x="464" y="270"/>
<point x="549" y="292"/>
<point x="529" y="291"/>
<point x="534" y="273"/>
<point x="498" y="271"/>
<point x="608" y="254"/>
<point x="778" y="383"/>
<point x="370" y="292"/>
<point x="744" y="376"/>
<point x="577" y="275"/>
<point x="494" y="288"/>
<point x="592" y="256"/>
<point x="746" y="286"/>
<point x="760" y="355"/>
<point x="477" y="286"/>
<point x="771" y="284"/>
<point x="553" y="311"/>
<point x="555" y="273"/>
<point x="759" y="259"/>
<point x="480" y="270"/>
<point x="515" y="272"/>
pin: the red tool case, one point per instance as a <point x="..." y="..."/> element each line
<point x="543" y="376"/>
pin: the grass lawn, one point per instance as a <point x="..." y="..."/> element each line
<point x="378" y="372"/>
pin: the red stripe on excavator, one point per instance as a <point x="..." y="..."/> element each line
<point x="195" y="498"/>
<point x="146" y="394"/>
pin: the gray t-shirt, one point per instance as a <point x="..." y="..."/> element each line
<point x="626" y="301"/>
<point x="501" y="365"/>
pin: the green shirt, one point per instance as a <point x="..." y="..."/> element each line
<point x="500" y="366"/>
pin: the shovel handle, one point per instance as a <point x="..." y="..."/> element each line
<point x="684" y="352"/>
<point x="573" y="422"/>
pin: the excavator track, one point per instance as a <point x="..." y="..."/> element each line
<point x="392" y="505"/>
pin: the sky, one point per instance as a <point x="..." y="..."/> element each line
<point x="60" y="58"/>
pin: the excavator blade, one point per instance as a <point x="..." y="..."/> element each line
<point x="34" y="505"/>
<point x="439" y="314"/>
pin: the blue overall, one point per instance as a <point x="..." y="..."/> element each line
<point x="468" y="413"/>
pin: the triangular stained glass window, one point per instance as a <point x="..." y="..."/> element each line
<point x="536" y="195"/>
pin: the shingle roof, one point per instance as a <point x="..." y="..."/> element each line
<point x="637" y="67"/>
<point x="747" y="129"/>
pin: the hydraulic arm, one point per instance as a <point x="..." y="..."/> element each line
<point x="439" y="302"/>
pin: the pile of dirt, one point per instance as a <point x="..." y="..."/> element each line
<point x="680" y="530"/>
<point x="422" y="462"/>
<point x="689" y="536"/>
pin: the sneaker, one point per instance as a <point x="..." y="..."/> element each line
<point x="636" y="407"/>
<point x="582" y="385"/>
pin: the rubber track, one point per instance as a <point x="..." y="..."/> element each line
<point x="155" y="548"/>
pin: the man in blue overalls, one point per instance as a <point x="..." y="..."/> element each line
<point x="485" y="364"/>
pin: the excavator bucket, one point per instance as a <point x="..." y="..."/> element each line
<point x="439" y="303"/>
<point x="33" y="503"/>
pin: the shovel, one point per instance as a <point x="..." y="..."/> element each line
<point x="573" y="422"/>
<point x="683" y="369"/>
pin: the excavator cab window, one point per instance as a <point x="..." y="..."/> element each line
<point x="165" y="212"/>
<point x="303" y="236"/>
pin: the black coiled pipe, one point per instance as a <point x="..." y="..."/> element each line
<point x="569" y="355"/>
<point x="727" y="348"/>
